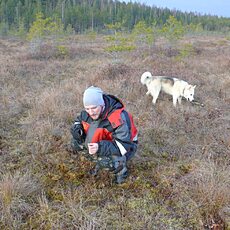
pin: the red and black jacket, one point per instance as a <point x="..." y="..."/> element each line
<point x="114" y="131"/>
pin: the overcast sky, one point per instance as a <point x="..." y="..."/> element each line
<point x="212" y="7"/>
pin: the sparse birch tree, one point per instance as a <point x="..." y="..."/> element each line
<point x="173" y="30"/>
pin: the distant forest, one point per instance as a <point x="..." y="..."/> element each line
<point x="84" y="15"/>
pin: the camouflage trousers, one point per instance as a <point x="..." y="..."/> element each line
<point x="115" y="164"/>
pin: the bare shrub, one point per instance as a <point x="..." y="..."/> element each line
<point x="208" y="185"/>
<point x="74" y="213"/>
<point x="81" y="52"/>
<point x="115" y="70"/>
<point x="171" y="52"/>
<point x="84" y="218"/>
<point x="15" y="194"/>
<point x="35" y="46"/>
<point x="51" y="110"/>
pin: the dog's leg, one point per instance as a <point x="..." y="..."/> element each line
<point x="155" y="95"/>
<point x="154" y="100"/>
<point x="175" y="100"/>
<point x="148" y="93"/>
<point x="179" y="99"/>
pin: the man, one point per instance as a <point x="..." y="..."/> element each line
<point x="106" y="130"/>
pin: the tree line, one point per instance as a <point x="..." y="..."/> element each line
<point x="94" y="15"/>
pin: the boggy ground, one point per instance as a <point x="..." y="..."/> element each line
<point x="180" y="177"/>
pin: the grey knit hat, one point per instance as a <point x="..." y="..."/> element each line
<point x="93" y="96"/>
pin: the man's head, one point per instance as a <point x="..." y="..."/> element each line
<point x="93" y="101"/>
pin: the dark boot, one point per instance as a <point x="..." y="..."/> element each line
<point x="121" y="172"/>
<point x="121" y="176"/>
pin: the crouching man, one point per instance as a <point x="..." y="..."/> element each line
<point x="106" y="130"/>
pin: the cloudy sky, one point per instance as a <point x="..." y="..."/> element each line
<point x="212" y="7"/>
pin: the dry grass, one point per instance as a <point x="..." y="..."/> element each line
<point x="16" y="193"/>
<point x="180" y="176"/>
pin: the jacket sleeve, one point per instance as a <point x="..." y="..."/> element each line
<point x="121" y="143"/>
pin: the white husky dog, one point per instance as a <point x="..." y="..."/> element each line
<point x="170" y="85"/>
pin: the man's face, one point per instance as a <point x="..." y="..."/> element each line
<point x="94" y="111"/>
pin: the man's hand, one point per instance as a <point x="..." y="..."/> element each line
<point x="93" y="148"/>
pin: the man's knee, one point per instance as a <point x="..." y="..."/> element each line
<point x="131" y="154"/>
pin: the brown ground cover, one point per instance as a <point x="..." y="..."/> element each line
<point x="180" y="177"/>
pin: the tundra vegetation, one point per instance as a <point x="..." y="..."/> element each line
<point x="180" y="177"/>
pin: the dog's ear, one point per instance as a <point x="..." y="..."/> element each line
<point x="191" y="86"/>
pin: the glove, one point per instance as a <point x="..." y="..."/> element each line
<point x="76" y="146"/>
<point x="78" y="133"/>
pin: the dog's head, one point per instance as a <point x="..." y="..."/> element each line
<point x="146" y="77"/>
<point x="189" y="92"/>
